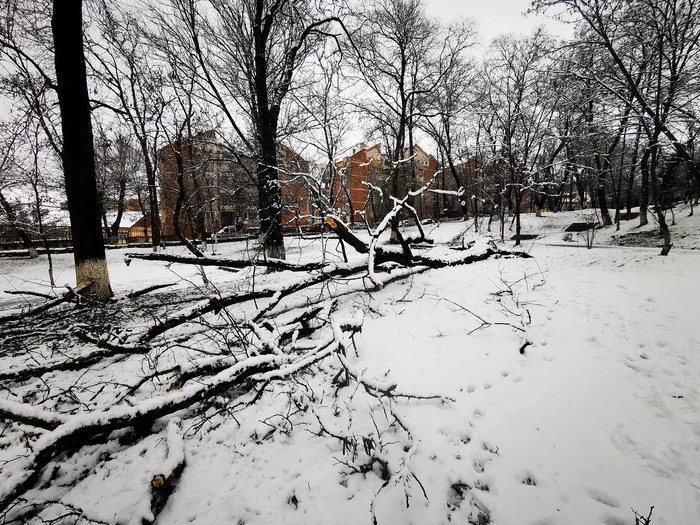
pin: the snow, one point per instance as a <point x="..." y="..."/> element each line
<point x="598" y="416"/>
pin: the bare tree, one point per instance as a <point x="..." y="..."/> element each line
<point x="118" y="160"/>
<point x="669" y="31"/>
<point x="122" y="63"/>
<point x="390" y="49"/>
<point x="516" y="73"/>
<point x="9" y="137"/>
<point x="446" y="110"/>
<point x="245" y="57"/>
<point x="330" y="122"/>
<point x="78" y="152"/>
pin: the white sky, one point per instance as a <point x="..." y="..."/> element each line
<point x="494" y="17"/>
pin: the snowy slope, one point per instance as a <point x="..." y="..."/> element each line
<point x="599" y="415"/>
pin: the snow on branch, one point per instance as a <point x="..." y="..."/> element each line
<point x="64" y="431"/>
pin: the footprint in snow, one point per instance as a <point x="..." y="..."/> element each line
<point x="603" y="497"/>
<point x="608" y="518"/>
<point x="529" y="479"/>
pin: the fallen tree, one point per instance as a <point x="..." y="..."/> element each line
<point x="159" y="361"/>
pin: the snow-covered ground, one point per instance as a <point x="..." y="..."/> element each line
<point x="598" y="416"/>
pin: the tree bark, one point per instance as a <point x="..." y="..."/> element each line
<point x="152" y="197"/>
<point x="269" y="191"/>
<point x="655" y="191"/>
<point x="78" y="149"/>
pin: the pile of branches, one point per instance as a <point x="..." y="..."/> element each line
<point x="76" y="374"/>
<point x="79" y="375"/>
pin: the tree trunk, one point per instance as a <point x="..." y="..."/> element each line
<point x="78" y="152"/>
<point x="152" y="195"/>
<point x="120" y="212"/>
<point x="180" y="199"/>
<point x="518" y="199"/>
<point x="270" y="197"/>
<point x="644" y="199"/>
<point x="269" y="190"/>
<point x="633" y="169"/>
<point x="601" y="191"/>
<point x="40" y="223"/>
<point x="660" y="215"/>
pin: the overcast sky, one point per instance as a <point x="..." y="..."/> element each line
<point x="494" y="17"/>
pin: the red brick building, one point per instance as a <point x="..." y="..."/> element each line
<point x="296" y="202"/>
<point x="360" y="176"/>
<point x="221" y="187"/>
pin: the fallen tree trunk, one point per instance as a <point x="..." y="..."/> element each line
<point x="83" y="361"/>
<point x="275" y="264"/>
<point x="163" y="482"/>
<point x="216" y="304"/>
<point x="70" y="294"/>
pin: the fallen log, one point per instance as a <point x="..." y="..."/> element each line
<point x="70" y="294"/>
<point x="163" y="482"/>
<point x="341" y="230"/>
<point x="106" y="350"/>
<point x="149" y="289"/>
<point x="275" y="264"/>
<point x="216" y="304"/>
